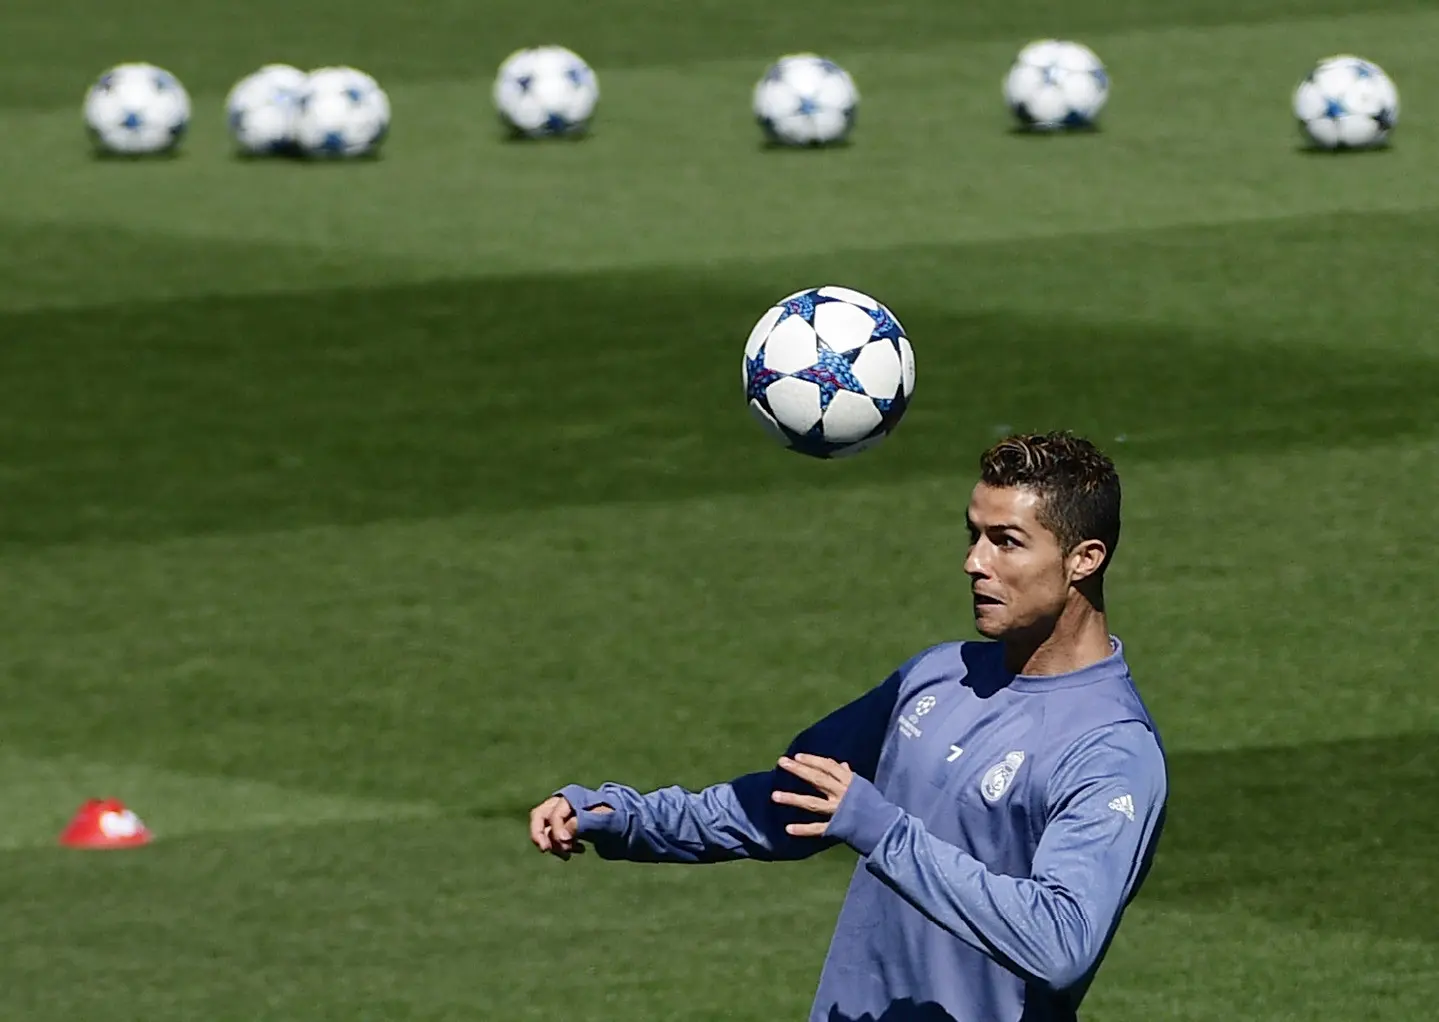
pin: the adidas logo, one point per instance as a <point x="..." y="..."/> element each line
<point x="1123" y="804"/>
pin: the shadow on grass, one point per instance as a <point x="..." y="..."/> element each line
<point x="1337" y="834"/>
<point x="357" y="404"/>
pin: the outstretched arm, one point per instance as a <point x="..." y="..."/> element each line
<point x="1052" y="927"/>
<point x="737" y="819"/>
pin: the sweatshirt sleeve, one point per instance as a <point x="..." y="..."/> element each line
<point x="1106" y="808"/>
<point x="736" y="819"/>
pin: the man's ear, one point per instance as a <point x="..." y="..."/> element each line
<point x="1085" y="559"/>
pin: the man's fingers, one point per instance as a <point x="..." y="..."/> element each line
<point x="811" y="803"/>
<point x="559" y="824"/>
<point x="823" y="764"/>
<point x="806" y="772"/>
<point x="539" y="817"/>
<point x="554" y="828"/>
<point x="806" y="829"/>
<point x="564" y="825"/>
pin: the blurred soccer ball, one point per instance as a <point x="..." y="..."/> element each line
<point x="546" y="91"/>
<point x="828" y="372"/>
<point x="804" y="99"/>
<point x="1347" y="103"/>
<point x="137" y="109"/>
<point x="343" y="113"/>
<point x="263" y="108"/>
<point x="1056" y="84"/>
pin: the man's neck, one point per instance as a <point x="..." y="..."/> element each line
<point x="1078" y="638"/>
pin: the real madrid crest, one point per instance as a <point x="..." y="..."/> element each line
<point x="997" y="778"/>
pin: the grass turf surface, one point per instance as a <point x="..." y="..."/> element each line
<point x="351" y="509"/>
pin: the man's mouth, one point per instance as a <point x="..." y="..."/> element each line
<point x="985" y="600"/>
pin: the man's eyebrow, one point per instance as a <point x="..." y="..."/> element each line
<point x="1001" y="527"/>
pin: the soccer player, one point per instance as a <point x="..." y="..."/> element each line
<point x="1004" y="797"/>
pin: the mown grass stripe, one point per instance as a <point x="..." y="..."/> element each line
<point x="40" y="794"/>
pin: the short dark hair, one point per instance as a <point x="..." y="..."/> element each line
<point x="1076" y="483"/>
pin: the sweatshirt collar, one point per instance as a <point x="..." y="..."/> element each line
<point x="1109" y="667"/>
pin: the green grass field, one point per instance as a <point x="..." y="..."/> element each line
<point x="349" y="510"/>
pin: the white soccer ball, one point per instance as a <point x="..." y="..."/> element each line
<point x="263" y="108"/>
<point x="1347" y="102"/>
<point x="805" y="99"/>
<point x="1055" y="84"/>
<point x="546" y="91"/>
<point x="828" y="372"/>
<point x="137" y="109"/>
<point x="343" y="113"/>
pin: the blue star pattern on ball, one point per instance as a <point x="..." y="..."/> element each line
<point x="760" y="376"/>
<point x="831" y="372"/>
<point x="799" y="305"/>
<point x="815" y="445"/>
<point x="891" y="408"/>
<point x="803" y="305"/>
<point x="884" y="325"/>
<point x="1333" y="109"/>
<point x="801" y="405"/>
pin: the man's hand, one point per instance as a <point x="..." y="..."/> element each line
<point x="553" y="827"/>
<point x="829" y="778"/>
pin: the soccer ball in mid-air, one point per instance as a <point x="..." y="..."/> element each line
<point x="828" y="372"/>
<point x="805" y="100"/>
<point x="1056" y="84"/>
<point x="1347" y="102"/>
<point x="137" y="109"/>
<point x="546" y="92"/>
<point x="263" y="108"/>
<point x="343" y="113"/>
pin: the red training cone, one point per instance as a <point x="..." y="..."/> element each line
<point x="105" y="823"/>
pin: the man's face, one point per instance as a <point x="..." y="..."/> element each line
<point x="1018" y="574"/>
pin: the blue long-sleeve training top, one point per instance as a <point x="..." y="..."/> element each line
<point x="1002" y="821"/>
